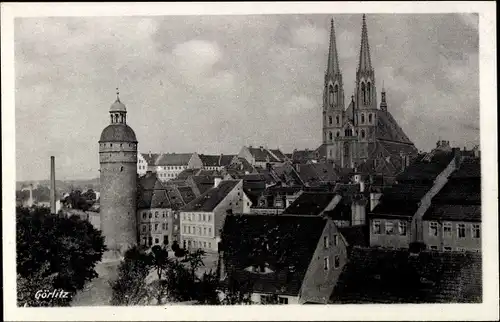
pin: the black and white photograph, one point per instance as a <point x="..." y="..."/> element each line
<point x="191" y="158"/>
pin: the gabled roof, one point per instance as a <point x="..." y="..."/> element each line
<point x="310" y="203"/>
<point x="150" y="157"/>
<point x="173" y="159"/>
<point x="226" y="159"/>
<point x="400" y="200"/>
<point x="283" y="244"/>
<point x="302" y="156"/>
<point x="318" y="173"/>
<point x="374" y="275"/>
<point x="208" y="200"/>
<point x="280" y="155"/>
<point x="187" y="194"/>
<point x="187" y="173"/>
<point x="203" y="183"/>
<point x="262" y="154"/>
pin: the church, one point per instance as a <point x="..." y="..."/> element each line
<point x="363" y="136"/>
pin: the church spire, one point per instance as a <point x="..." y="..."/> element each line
<point x="365" y="62"/>
<point x="333" y="59"/>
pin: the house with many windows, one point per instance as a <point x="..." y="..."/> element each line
<point x="281" y="259"/>
<point x="453" y="222"/>
<point x="146" y="162"/>
<point x="202" y="219"/>
<point x="169" y="165"/>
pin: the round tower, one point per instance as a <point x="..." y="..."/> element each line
<point x="118" y="185"/>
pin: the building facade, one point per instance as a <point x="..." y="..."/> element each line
<point x="118" y="179"/>
<point x="169" y="165"/>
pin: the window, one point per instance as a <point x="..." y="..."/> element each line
<point x="184" y="229"/>
<point x="331" y="95"/>
<point x="337" y="118"/>
<point x="330" y="120"/>
<point x="389" y="228"/>
<point x="144" y="227"/>
<point x="204" y="231"/>
<point x="204" y="217"/>
<point x="325" y="242"/>
<point x="163" y="226"/>
<point x="433" y="247"/>
<point x="336" y="262"/>
<point x="338" y="133"/>
<point x="199" y="217"/>
<point x="370" y="118"/>
<point x="476" y="231"/>
<point x="165" y="239"/>
<point x="189" y="229"/>
<point x="282" y="300"/>
<point x="144" y="241"/>
<point x="335" y="240"/>
<point x="376" y="227"/>
<point x="157" y="241"/>
<point x="433" y="228"/>
<point x="368" y="93"/>
<point x="209" y="230"/>
<point x="402" y="228"/>
<point x="362" y="118"/>
<point x="330" y="135"/>
<point x="204" y="244"/>
<point x="156" y="227"/>
<point x="209" y="217"/>
<point x="461" y="230"/>
<point x="143" y="215"/>
<point x="199" y="231"/>
<point x="150" y="215"/>
<point x="163" y="214"/>
<point x="209" y="245"/>
<point x="326" y="264"/>
<point x="156" y="214"/>
<point x="447" y="229"/>
<point x="363" y="94"/>
<point x="150" y="241"/>
<point x="447" y="249"/>
<point x="362" y="134"/>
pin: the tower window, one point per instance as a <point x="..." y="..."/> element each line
<point x="370" y="118"/>
<point x="362" y="134"/>
<point x="111" y="144"/>
<point x="331" y="135"/>
<point x="331" y="95"/>
<point x="336" y="94"/>
<point x="368" y="93"/>
<point x="363" y="92"/>
<point x="330" y="120"/>
<point x="337" y="118"/>
<point x="362" y="118"/>
<point x="338" y="133"/>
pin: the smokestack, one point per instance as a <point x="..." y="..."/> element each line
<point x="52" y="185"/>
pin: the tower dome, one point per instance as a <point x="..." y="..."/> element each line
<point x="118" y="106"/>
<point x="118" y="133"/>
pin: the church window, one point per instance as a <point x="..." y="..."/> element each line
<point x="331" y="95"/>
<point x="330" y="120"/>
<point x="362" y="134"/>
<point x="363" y="92"/>
<point x="368" y="92"/>
<point x="362" y="118"/>
<point x="370" y="118"/>
<point x="337" y="118"/>
<point x="330" y="135"/>
<point x="338" y="133"/>
<point x="336" y="94"/>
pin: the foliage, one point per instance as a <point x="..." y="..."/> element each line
<point x="207" y="289"/>
<point x="195" y="260"/>
<point x="130" y="287"/>
<point x="54" y="251"/>
<point x="237" y="292"/>
<point x="82" y="201"/>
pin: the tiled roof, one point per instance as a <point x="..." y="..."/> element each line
<point x="388" y="129"/>
<point x="280" y="155"/>
<point x="283" y="244"/>
<point x="318" y="173"/>
<point x="187" y="194"/>
<point x="302" y="156"/>
<point x="152" y="193"/>
<point x="392" y="276"/>
<point x="211" y="198"/>
<point x="356" y="235"/>
<point x="426" y="167"/>
<point x="150" y="157"/>
<point x="209" y="160"/>
<point x="469" y="168"/>
<point x="453" y="213"/>
<point x="263" y="155"/>
<point x="226" y="159"/>
<point x="187" y="173"/>
<point x="466" y="191"/>
<point x="174" y="159"/>
<point x="175" y="197"/>
<point x="400" y="200"/>
<point x="310" y="203"/>
<point x="203" y="183"/>
<point x="287" y="174"/>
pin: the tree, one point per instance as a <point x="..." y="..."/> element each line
<point x="195" y="260"/>
<point x="207" y="289"/>
<point x="54" y="252"/>
<point x="130" y="286"/>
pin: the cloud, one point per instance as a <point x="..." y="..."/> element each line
<point x="309" y="36"/>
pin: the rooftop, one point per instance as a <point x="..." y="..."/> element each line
<point x="280" y="247"/>
<point x="208" y="200"/>
<point x="310" y="203"/>
<point x="174" y="159"/>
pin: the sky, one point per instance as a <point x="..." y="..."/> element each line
<point x="212" y="84"/>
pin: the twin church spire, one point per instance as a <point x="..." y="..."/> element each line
<point x="365" y="95"/>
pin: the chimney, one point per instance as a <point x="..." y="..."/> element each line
<point x="52" y="185"/>
<point x="217" y="182"/>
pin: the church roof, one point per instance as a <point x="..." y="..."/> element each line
<point x="388" y="129"/>
<point x="365" y="62"/>
<point x="333" y="60"/>
<point x="118" y="133"/>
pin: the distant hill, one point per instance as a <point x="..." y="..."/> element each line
<point x="62" y="186"/>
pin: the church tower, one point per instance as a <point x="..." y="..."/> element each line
<point x="118" y="184"/>
<point x="365" y="96"/>
<point x="333" y="99"/>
